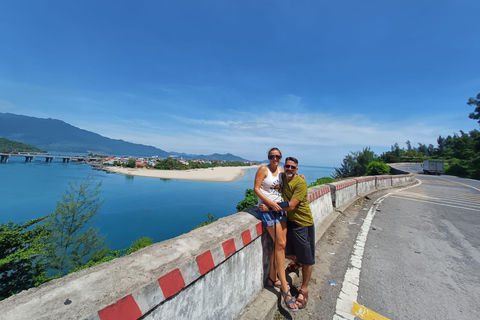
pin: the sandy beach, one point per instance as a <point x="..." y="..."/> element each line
<point x="218" y="174"/>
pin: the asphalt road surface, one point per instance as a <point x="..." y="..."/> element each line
<point x="405" y="253"/>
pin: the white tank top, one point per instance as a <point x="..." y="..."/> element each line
<point x="272" y="186"/>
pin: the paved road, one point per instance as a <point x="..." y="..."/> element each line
<point x="410" y="253"/>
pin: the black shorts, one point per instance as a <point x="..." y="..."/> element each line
<point x="301" y="243"/>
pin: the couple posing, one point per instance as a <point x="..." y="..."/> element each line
<point x="285" y="213"/>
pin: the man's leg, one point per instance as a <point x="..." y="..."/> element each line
<point x="305" y="255"/>
<point x="303" y="292"/>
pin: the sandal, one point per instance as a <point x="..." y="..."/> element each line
<point x="270" y="283"/>
<point x="293" y="266"/>
<point x="288" y="299"/>
<point x="302" y="303"/>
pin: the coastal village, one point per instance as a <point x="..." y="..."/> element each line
<point x="152" y="161"/>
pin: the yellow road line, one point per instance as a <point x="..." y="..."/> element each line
<point x="365" y="313"/>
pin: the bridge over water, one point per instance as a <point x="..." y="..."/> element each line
<point x="4" y="156"/>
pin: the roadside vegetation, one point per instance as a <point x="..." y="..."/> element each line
<point x="65" y="241"/>
<point x="211" y="219"/>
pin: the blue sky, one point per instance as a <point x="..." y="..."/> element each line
<point x="317" y="79"/>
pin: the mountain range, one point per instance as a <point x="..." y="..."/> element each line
<point x="58" y="136"/>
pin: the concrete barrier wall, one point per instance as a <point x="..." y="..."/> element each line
<point x="343" y="191"/>
<point x="401" y="180"/>
<point x="365" y="185"/>
<point x="209" y="273"/>
<point x="320" y="198"/>
<point x="166" y="276"/>
<point x="382" y="182"/>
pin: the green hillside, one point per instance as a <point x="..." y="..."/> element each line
<point x="14" y="146"/>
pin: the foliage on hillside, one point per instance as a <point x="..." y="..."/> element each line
<point x="21" y="246"/>
<point x="355" y="164"/>
<point x="14" y="146"/>
<point x="105" y="255"/>
<point x="321" y="181"/>
<point x="211" y="219"/>
<point x="74" y="238"/>
<point x="250" y="200"/>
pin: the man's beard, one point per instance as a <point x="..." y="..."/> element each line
<point x="289" y="174"/>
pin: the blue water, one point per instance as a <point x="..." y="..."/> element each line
<point x="134" y="207"/>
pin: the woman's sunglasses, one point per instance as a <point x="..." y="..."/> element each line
<point x="290" y="167"/>
<point x="273" y="156"/>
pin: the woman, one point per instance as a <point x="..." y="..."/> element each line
<point x="268" y="188"/>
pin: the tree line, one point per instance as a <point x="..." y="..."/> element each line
<point x="460" y="151"/>
<point x="174" y="164"/>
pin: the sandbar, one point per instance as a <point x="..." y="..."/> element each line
<point x="217" y="174"/>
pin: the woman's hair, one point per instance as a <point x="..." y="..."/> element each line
<point x="273" y="149"/>
<point x="292" y="159"/>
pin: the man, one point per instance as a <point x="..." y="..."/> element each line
<point x="300" y="228"/>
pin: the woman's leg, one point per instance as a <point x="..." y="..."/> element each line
<point x="280" y="243"/>
<point x="273" y="269"/>
<point x="281" y="237"/>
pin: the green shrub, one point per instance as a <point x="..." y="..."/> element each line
<point x="459" y="168"/>
<point x="320" y="181"/>
<point x="250" y="200"/>
<point x="376" y="168"/>
<point x="107" y="255"/>
<point x="211" y="218"/>
<point x="139" y="244"/>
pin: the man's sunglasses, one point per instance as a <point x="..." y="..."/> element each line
<point x="274" y="157"/>
<point x="290" y="167"/>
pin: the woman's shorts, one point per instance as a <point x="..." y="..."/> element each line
<point x="270" y="218"/>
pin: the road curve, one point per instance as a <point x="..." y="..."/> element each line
<point x="416" y="250"/>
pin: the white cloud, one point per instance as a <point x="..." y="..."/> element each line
<point x="322" y="139"/>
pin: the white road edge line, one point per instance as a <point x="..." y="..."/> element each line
<point x="351" y="280"/>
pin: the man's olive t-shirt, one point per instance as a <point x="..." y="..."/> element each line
<point x="297" y="188"/>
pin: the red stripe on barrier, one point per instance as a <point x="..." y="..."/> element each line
<point x="310" y="198"/>
<point x="205" y="262"/>
<point x="124" y="309"/>
<point x="229" y="248"/>
<point x="171" y="283"/>
<point x="259" y="228"/>
<point x="246" y="237"/>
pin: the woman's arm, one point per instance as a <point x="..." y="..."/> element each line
<point x="292" y="204"/>
<point x="259" y="177"/>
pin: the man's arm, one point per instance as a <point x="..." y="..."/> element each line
<point x="293" y="204"/>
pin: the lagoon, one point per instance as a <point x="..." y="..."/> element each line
<point x="134" y="207"/>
